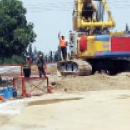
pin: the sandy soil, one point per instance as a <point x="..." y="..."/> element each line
<point x="95" y="102"/>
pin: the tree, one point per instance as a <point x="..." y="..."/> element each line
<point x="15" y="33"/>
<point x="35" y="53"/>
<point x="30" y="52"/>
<point x="127" y="28"/>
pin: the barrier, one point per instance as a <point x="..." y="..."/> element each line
<point x="9" y="70"/>
<point x="12" y="75"/>
<point x="31" y="86"/>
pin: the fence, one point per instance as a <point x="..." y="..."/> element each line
<point x="12" y="75"/>
<point x="7" y="72"/>
<point x="31" y="86"/>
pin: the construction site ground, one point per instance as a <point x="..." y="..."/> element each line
<point x="96" y="102"/>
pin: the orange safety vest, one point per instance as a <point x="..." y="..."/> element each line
<point x="62" y="43"/>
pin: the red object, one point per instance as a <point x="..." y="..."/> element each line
<point x="1" y="98"/>
<point x="24" y="88"/>
<point x="49" y="90"/>
<point x="120" y="44"/>
<point x="83" y="43"/>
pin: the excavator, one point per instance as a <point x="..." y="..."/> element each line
<point x="93" y="46"/>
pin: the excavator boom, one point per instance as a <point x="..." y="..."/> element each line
<point x="79" y="22"/>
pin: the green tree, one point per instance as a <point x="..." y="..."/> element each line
<point x="15" y="32"/>
<point x="35" y="53"/>
<point x="30" y="52"/>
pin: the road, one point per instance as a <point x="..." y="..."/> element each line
<point x="92" y="110"/>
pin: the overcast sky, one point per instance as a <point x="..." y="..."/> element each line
<point x="51" y="16"/>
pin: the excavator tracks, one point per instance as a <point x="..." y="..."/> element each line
<point x="74" y="67"/>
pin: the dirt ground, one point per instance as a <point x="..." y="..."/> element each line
<point x="96" y="102"/>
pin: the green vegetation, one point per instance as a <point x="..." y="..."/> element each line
<point x="13" y="60"/>
<point x="16" y="34"/>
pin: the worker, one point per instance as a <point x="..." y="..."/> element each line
<point x="63" y="47"/>
<point x="41" y="66"/>
<point x="27" y="67"/>
<point x="88" y="10"/>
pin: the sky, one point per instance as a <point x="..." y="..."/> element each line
<point x="52" y="16"/>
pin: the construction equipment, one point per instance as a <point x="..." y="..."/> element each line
<point x="93" y="46"/>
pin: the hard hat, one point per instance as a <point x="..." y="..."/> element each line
<point x="40" y="55"/>
<point x="28" y="57"/>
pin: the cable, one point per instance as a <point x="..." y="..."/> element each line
<point x="49" y="6"/>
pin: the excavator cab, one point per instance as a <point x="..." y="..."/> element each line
<point x="88" y="9"/>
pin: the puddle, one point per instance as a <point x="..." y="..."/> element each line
<point x="51" y="101"/>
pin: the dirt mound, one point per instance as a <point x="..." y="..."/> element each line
<point x="94" y="82"/>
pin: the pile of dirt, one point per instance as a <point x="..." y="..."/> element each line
<point x="95" y="82"/>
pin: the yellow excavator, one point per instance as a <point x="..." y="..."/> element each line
<point x="93" y="46"/>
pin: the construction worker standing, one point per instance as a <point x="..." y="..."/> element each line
<point x="41" y="66"/>
<point x="27" y="67"/>
<point x="63" y="47"/>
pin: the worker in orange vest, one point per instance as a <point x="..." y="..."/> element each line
<point x="63" y="46"/>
